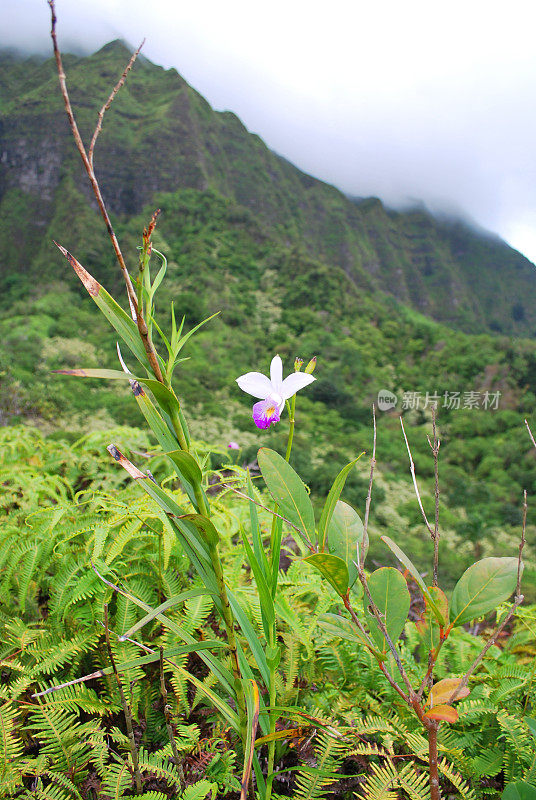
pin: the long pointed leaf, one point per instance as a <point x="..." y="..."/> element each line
<point x="331" y="501"/>
<point x="251" y="692"/>
<point x="116" y="316"/>
<point x="156" y="612"/>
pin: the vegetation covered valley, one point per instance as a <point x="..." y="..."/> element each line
<point x="184" y="614"/>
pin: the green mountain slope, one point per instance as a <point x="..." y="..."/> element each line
<point x="294" y="267"/>
<point x="161" y="136"/>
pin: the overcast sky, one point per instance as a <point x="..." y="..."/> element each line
<point x="416" y="100"/>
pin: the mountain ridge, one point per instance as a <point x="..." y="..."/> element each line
<point x="161" y="135"/>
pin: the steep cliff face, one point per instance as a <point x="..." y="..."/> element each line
<point x="162" y="136"/>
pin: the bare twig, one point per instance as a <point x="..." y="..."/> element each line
<point x="87" y="160"/>
<point x="435" y="450"/>
<point x="521" y="543"/>
<point x="126" y="708"/>
<point x="491" y="641"/>
<point x="412" y="469"/>
<point x="363" y="579"/>
<point x="109" y="102"/>
<point x="87" y="163"/>
<point x="530" y="434"/>
<point x="364" y="540"/>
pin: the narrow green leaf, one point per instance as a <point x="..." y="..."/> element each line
<point x="276" y="553"/>
<point x="165" y="397"/>
<point x="182" y="342"/>
<point x="252" y="638"/>
<point x="164" y="436"/>
<point x="345" y="534"/>
<point x="265" y="596"/>
<point x="205" y="527"/>
<point x="482" y="587"/>
<point x="156" y="612"/>
<point x="333" y="569"/>
<point x="109" y="374"/>
<point x="389" y="591"/>
<point x="187" y="465"/>
<point x="116" y="316"/>
<point x="331" y="502"/>
<point x="341" y="627"/>
<point x="258" y="549"/>
<point x="251" y="692"/>
<point x="288" y="490"/>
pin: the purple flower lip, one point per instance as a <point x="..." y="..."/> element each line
<point x="233" y="446"/>
<point x="273" y="391"/>
<point x="266" y="413"/>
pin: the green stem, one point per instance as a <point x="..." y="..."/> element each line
<point x="292" y="409"/>
<point x="231" y="638"/>
<point x="273" y="631"/>
<point x="227" y="614"/>
<point x="177" y="427"/>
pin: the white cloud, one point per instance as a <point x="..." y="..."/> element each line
<point x="415" y="99"/>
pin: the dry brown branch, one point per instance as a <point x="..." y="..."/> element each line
<point x="361" y="554"/>
<point x="412" y="470"/>
<point x="435" y="450"/>
<point x="88" y="164"/>
<point x="363" y="579"/>
<point x="530" y="433"/>
<point x="491" y="641"/>
<point x="522" y="542"/>
<point x="109" y="102"/>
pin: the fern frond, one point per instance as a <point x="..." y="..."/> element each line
<point x="200" y="790"/>
<point x="312" y="782"/>
<point x="465" y="791"/>
<point x="117" y="778"/>
<point x="156" y="765"/>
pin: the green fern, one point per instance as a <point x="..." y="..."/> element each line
<point x="312" y="782"/>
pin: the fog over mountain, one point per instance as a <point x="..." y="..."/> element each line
<point x="408" y="103"/>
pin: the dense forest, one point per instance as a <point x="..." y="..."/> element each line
<point x="401" y="305"/>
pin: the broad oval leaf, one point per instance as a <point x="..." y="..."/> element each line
<point x="443" y="713"/>
<point x="288" y="490"/>
<point x="519" y="790"/>
<point x="410" y="566"/>
<point x="389" y="590"/>
<point x="442" y="691"/>
<point x="333" y="569"/>
<point x="482" y="588"/>
<point x="440" y="607"/>
<point x="332" y="500"/>
<point x="345" y="534"/>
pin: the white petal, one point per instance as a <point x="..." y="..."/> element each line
<point x="256" y="384"/>
<point x="276" y="373"/>
<point x="293" y="383"/>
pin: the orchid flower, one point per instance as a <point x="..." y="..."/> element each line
<point x="272" y="391"/>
